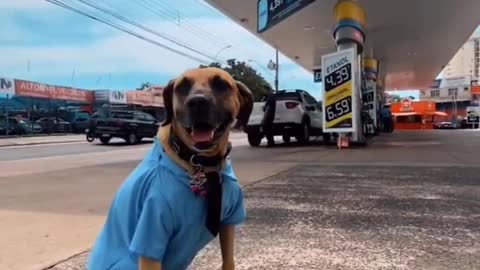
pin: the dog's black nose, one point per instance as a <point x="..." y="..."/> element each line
<point x="198" y="103"/>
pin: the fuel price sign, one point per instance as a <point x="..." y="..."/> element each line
<point x="338" y="91"/>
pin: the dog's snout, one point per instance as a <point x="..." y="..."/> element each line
<point x="198" y="102"/>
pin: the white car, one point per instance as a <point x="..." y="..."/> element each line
<point x="297" y="114"/>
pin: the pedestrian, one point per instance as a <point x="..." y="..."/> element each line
<point x="387" y="119"/>
<point x="269" y="117"/>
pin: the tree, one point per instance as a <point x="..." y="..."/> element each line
<point x="144" y="86"/>
<point x="241" y="71"/>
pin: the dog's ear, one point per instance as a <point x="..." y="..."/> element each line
<point x="168" y="102"/>
<point x="246" y="104"/>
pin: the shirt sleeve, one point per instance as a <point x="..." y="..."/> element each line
<point x="153" y="230"/>
<point x="236" y="213"/>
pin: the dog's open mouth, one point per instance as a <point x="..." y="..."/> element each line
<point x="205" y="135"/>
<point x="202" y="135"/>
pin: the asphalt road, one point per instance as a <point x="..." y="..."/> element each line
<point x="62" y="149"/>
<point x="83" y="147"/>
<point x="307" y="210"/>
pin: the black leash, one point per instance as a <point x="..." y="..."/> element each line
<point x="206" y="180"/>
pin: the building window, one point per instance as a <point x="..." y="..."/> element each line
<point x="453" y="91"/>
<point x="435" y="93"/>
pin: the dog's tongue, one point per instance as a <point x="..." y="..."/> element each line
<point x="202" y="136"/>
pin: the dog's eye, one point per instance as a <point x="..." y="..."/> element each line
<point x="220" y="85"/>
<point x="183" y="87"/>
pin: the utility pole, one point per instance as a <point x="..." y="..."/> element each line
<point x="7" y="119"/>
<point x="276" y="70"/>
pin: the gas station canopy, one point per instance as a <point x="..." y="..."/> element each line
<point x="412" y="39"/>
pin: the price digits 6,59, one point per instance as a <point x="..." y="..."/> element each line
<point x="339" y="109"/>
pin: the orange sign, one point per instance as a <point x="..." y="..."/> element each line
<point x="144" y="98"/>
<point x="474" y="87"/>
<point x="406" y="105"/>
<point x="38" y="90"/>
<point x="476" y="90"/>
<point x="420" y="107"/>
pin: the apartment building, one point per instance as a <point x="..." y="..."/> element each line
<point x="466" y="62"/>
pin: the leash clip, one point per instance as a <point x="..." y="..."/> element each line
<point x="192" y="162"/>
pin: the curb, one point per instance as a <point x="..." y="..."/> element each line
<point x="38" y="143"/>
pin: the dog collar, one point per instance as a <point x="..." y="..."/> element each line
<point x="207" y="184"/>
<point x="195" y="158"/>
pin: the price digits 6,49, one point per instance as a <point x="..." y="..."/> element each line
<point x="339" y="109"/>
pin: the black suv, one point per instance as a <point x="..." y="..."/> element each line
<point x="132" y="126"/>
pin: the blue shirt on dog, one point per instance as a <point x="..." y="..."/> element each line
<point x="156" y="215"/>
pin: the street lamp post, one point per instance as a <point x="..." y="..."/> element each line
<point x="260" y="65"/>
<point x="274" y="66"/>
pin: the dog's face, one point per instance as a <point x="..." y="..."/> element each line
<point x="202" y="104"/>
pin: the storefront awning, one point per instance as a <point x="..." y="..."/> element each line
<point x="441" y="114"/>
<point x="404" y="113"/>
<point x="417" y="113"/>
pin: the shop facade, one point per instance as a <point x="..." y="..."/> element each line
<point x="28" y="107"/>
<point x="410" y="115"/>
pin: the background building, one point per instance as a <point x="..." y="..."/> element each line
<point x="466" y="61"/>
<point x="451" y="95"/>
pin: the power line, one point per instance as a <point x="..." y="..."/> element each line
<point x="125" y="30"/>
<point x="175" y="18"/>
<point x="69" y="6"/>
<point x="214" y="38"/>
<point x="161" y="9"/>
<point x="162" y="16"/>
<point x="147" y="29"/>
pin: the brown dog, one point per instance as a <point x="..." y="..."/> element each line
<point x="184" y="193"/>
<point x="201" y="106"/>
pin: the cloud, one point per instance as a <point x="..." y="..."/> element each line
<point x="113" y="52"/>
<point x="24" y="4"/>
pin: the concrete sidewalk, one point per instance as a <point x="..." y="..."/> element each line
<point x="409" y="201"/>
<point x="20" y="141"/>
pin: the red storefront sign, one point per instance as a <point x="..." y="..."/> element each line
<point x="144" y="98"/>
<point x="38" y="90"/>
<point x="475" y="87"/>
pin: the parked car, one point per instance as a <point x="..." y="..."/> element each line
<point x="4" y="127"/>
<point x="443" y="125"/>
<point x="132" y="126"/>
<point x="19" y="126"/>
<point x="297" y="114"/>
<point x="80" y="122"/>
<point x="54" y="125"/>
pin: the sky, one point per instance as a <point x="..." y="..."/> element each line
<point x="406" y="93"/>
<point x="46" y="43"/>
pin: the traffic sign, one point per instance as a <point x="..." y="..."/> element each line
<point x="339" y="99"/>
<point x="317" y="75"/>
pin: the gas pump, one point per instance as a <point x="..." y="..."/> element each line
<point x="341" y="76"/>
